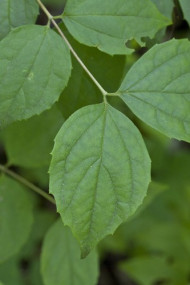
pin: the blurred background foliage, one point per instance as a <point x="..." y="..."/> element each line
<point x="153" y="246"/>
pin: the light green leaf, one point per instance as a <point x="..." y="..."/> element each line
<point x="165" y="7"/>
<point x="97" y="176"/>
<point x="15" y="217"/>
<point x="16" y="13"/>
<point x="35" y="67"/>
<point x="108" y="25"/>
<point x="60" y="260"/>
<point x="108" y="70"/>
<point x="33" y="139"/>
<point x="186" y="9"/>
<point x="157" y="88"/>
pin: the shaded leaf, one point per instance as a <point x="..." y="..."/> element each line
<point x="60" y="260"/>
<point x="15" y="217"/>
<point x="147" y="269"/>
<point x="33" y="139"/>
<point x="10" y="273"/>
<point x="81" y="90"/>
<point x="186" y="9"/>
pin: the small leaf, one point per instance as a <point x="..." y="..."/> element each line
<point x="99" y="173"/>
<point x="60" y="260"/>
<point x="108" y="25"/>
<point x="33" y="139"/>
<point x="16" y="13"/>
<point x="186" y="9"/>
<point x="35" y="68"/>
<point x="157" y="88"/>
<point x="15" y="217"/>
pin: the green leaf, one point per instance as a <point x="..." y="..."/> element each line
<point x="108" y="25"/>
<point x="144" y="269"/>
<point x="60" y="260"/>
<point x="108" y="70"/>
<point x="33" y="139"/>
<point x="97" y="176"/>
<point x="15" y="217"/>
<point x="10" y="273"/>
<point x="35" y="68"/>
<point x="157" y="88"/>
<point x="165" y="7"/>
<point x="186" y="9"/>
<point x="16" y="13"/>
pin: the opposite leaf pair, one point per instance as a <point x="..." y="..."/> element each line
<point x="100" y="168"/>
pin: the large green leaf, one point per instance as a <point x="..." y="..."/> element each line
<point x="108" y="25"/>
<point x="60" y="260"/>
<point x="16" y="13"/>
<point x="157" y="88"/>
<point x="186" y="9"/>
<point x="34" y="68"/>
<point x="33" y="139"/>
<point x="15" y="217"/>
<point x="99" y="173"/>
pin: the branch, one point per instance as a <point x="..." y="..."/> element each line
<point x="26" y="183"/>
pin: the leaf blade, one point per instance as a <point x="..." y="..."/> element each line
<point x="84" y="163"/>
<point x="186" y="10"/>
<point x="109" y="25"/>
<point x="60" y="250"/>
<point x="16" y="217"/>
<point x="33" y="73"/>
<point x="16" y="13"/>
<point x="157" y="89"/>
